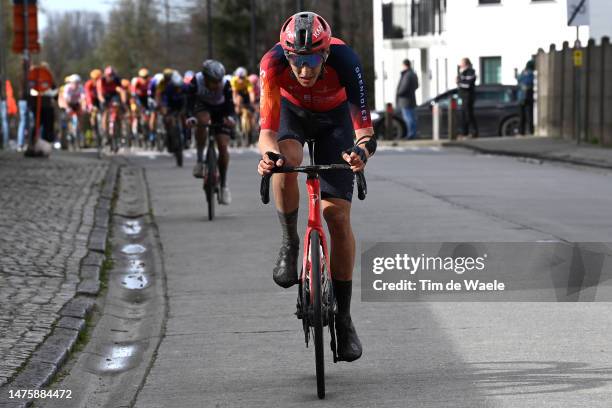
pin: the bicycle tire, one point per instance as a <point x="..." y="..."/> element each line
<point x="317" y="315"/>
<point x="177" y="144"/>
<point x="209" y="181"/>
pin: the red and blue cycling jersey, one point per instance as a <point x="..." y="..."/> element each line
<point x="342" y="79"/>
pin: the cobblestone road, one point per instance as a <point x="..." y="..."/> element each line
<point x="46" y="214"/>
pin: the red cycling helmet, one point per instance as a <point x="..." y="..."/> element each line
<point x="305" y="33"/>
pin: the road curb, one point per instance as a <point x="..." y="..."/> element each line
<point x="53" y="352"/>
<point x="529" y="155"/>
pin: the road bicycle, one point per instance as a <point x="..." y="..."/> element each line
<point x="175" y="135"/>
<point x="212" y="178"/>
<point x="316" y="303"/>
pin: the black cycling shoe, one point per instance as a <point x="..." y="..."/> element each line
<point x="285" y="271"/>
<point x="349" y="346"/>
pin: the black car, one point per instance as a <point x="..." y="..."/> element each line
<point x="496" y="108"/>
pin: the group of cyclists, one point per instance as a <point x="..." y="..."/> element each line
<point x="312" y="87"/>
<point x="140" y="103"/>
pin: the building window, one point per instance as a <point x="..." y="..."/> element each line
<point x="408" y="18"/>
<point x="490" y="68"/>
<point x="489" y="1"/>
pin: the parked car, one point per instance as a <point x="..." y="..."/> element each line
<point x="496" y="109"/>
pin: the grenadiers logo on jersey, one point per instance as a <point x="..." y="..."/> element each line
<point x="362" y="96"/>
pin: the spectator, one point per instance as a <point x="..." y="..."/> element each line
<point x="406" y="99"/>
<point x="466" y="82"/>
<point x="47" y="109"/>
<point x="525" y="98"/>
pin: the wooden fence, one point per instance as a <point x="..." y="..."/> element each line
<point x="563" y="90"/>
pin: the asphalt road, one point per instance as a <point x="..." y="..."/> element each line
<point x="231" y="339"/>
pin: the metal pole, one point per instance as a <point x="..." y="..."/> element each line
<point x="26" y="71"/>
<point x="300" y="5"/>
<point x="2" y="54"/>
<point x="167" y="47"/>
<point x="210" y="30"/>
<point x="577" y="98"/>
<point x="3" y="102"/>
<point x="253" y="47"/>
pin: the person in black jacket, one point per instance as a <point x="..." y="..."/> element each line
<point x="466" y="82"/>
<point x="525" y="97"/>
<point x="406" y="99"/>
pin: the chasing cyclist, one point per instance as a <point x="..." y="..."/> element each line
<point x="313" y="87"/>
<point x="92" y="103"/>
<point x="109" y="90"/>
<point x="209" y="100"/>
<point x="139" y="90"/>
<point x="243" y="94"/>
<point x="170" y="99"/>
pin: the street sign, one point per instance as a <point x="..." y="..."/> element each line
<point x="577" y="58"/>
<point x="19" y="26"/>
<point x="578" y="12"/>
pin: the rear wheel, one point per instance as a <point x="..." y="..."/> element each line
<point x="176" y="142"/>
<point x="317" y="304"/>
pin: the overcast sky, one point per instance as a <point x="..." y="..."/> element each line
<point x="103" y="6"/>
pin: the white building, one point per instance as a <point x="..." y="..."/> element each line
<point x="499" y="37"/>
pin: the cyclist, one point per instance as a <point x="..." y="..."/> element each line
<point x="243" y="92"/>
<point x="92" y="104"/>
<point x="243" y="95"/>
<point x="109" y="89"/>
<point x="209" y="100"/>
<point x="74" y="101"/>
<point x="91" y="93"/>
<point x="254" y="80"/>
<point x="139" y="90"/>
<point x="153" y="106"/>
<point x="186" y="130"/>
<point x="170" y="97"/>
<point x="313" y="87"/>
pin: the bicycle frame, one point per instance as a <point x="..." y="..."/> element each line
<point x="313" y="186"/>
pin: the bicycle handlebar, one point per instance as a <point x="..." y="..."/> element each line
<point x="264" y="189"/>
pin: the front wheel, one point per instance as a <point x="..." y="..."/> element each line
<point x="317" y="304"/>
<point x="210" y="180"/>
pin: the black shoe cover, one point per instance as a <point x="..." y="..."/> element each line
<point x="349" y="346"/>
<point x="285" y="271"/>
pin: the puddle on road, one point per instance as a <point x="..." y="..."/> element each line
<point x="133" y="249"/>
<point x="132" y="227"/>
<point x="136" y="281"/>
<point x="119" y="358"/>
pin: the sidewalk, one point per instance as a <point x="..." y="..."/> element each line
<point x="52" y="230"/>
<point x="544" y="148"/>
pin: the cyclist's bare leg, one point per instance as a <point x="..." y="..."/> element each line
<point x="152" y="125"/>
<point x="201" y="134"/>
<point x="223" y="143"/>
<point x="337" y="214"/>
<point x="285" y="185"/>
